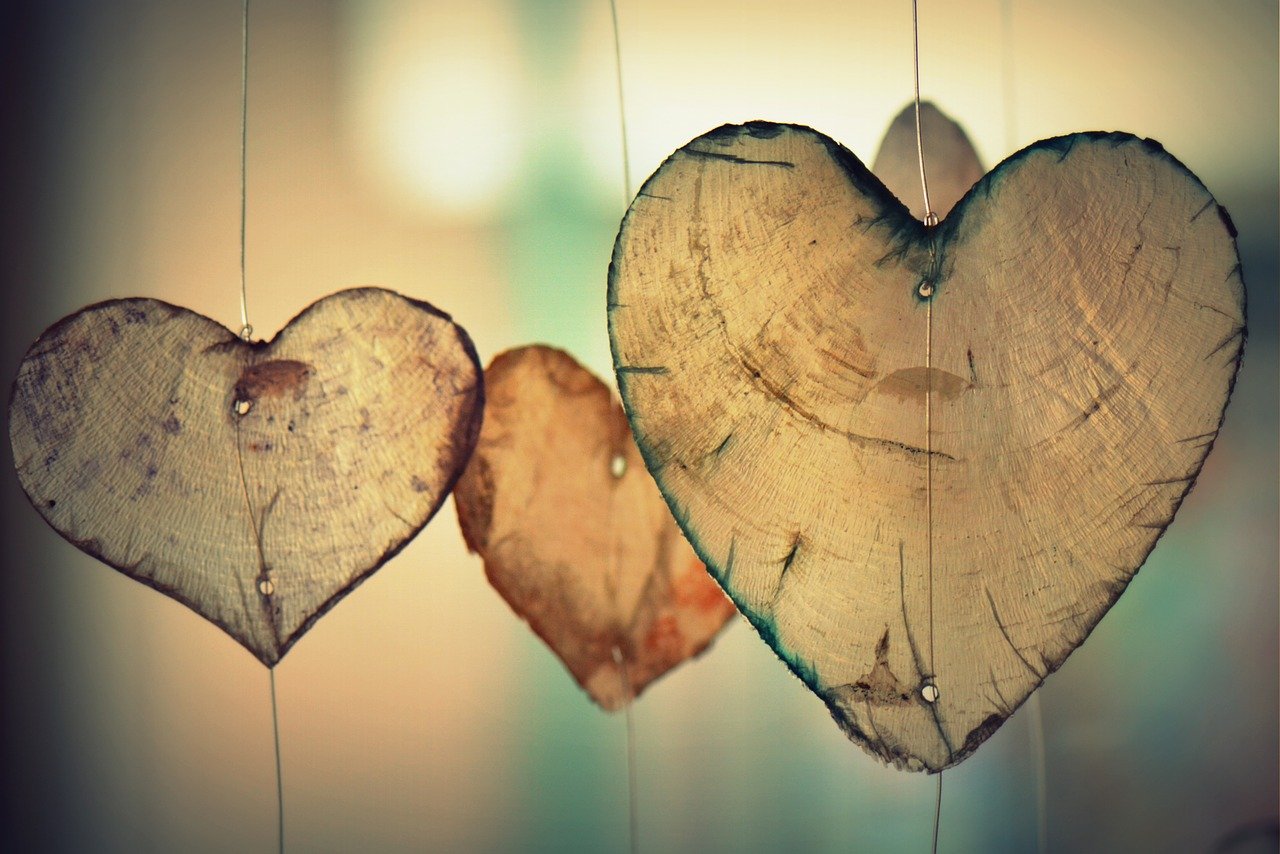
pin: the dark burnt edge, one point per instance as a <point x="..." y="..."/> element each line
<point x="801" y="670"/>
<point x="718" y="569"/>
<point x="981" y="733"/>
<point x="465" y="436"/>
<point x="1062" y="146"/>
<point x="896" y="216"/>
<point x="91" y="545"/>
<point x="57" y="327"/>
<point x="951" y="228"/>
<point x="469" y="438"/>
<point x="361" y="292"/>
<point x="950" y="231"/>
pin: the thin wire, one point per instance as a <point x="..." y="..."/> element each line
<point x="937" y="814"/>
<point x="633" y="811"/>
<point x="622" y="108"/>
<point x="930" y="219"/>
<point x="924" y="181"/>
<point x="246" y="331"/>
<point x="1036" y="721"/>
<point x="631" y="752"/>
<point x="928" y="468"/>
<point x="275" y="726"/>
<point x="928" y="491"/>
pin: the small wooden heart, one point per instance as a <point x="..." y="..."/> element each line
<point x="574" y="534"/>
<point x="256" y="483"/>
<point x="924" y="462"/>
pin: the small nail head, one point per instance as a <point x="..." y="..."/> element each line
<point x="925" y="289"/>
<point x="930" y="219"/>
<point x="929" y="692"/>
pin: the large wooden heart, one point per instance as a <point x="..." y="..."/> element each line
<point x="924" y="462"/>
<point x="256" y="483"/>
<point x="574" y="534"/>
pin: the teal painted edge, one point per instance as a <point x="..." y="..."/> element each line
<point x="905" y="231"/>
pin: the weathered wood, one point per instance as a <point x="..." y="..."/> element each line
<point x="256" y="483"/>
<point x="574" y="534"/>
<point x="924" y="458"/>
<point x="953" y="165"/>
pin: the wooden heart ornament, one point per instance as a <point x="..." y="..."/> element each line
<point x="574" y="534"/>
<point x="924" y="462"/>
<point x="256" y="483"/>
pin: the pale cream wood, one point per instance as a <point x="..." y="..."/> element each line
<point x="770" y="341"/>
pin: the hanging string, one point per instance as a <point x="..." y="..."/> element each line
<point x="926" y="288"/>
<point x="937" y="814"/>
<point x="246" y="329"/>
<point x="633" y="812"/>
<point x="622" y="109"/>
<point x="631" y="750"/>
<point x="930" y="218"/>
<point x="275" y="727"/>
<point x="1036" y="726"/>
<point x="934" y="694"/>
<point x="246" y="332"/>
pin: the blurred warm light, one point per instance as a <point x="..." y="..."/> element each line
<point x="435" y="97"/>
<point x="390" y="143"/>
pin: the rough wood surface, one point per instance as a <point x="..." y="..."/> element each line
<point x="256" y="483"/>
<point x="953" y="165"/>
<point x="573" y="532"/>
<point x="906" y="492"/>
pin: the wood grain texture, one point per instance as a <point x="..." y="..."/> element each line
<point x="776" y="359"/>
<point x="574" y="534"/>
<point x="256" y="483"/>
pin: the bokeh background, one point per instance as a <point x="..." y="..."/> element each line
<point x="469" y="154"/>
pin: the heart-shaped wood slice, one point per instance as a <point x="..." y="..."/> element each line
<point x="574" y="534"/>
<point x="924" y="462"/>
<point x="256" y="483"/>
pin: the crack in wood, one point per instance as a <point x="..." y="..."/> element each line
<point x="1004" y="632"/>
<point x="643" y="369"/>
<point x="915" y="652"/>
<point x="733" y="158"/>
